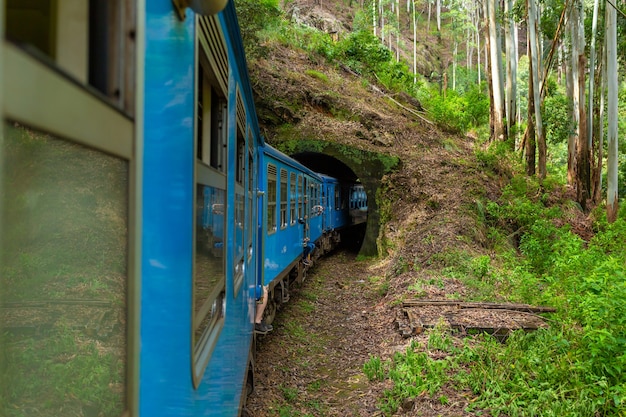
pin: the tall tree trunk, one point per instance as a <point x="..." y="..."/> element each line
<point x="582" y="157"/>
<point x="599" y="146"/>
<point x="414" y="44"/>
<point x="573" y="93"/>
<point x="439" y="18"/>
<point x="612" y="86"/>
<point x="454" y="54"/>
<point x="429" y="13"/>
<point x="530" y="130"/>
<point x="583" y="181"/>
<point x="592" y="68"/>
<point x="534" y="66"/>
<point x="511" y="72"/>
<point x="398" y="30"/>
<point x="381" y="14"/>
<point x="495" y="66"/>
<point x="488" y="73"/>
<point x="478" y="20"/>
<point x="374" y="23"/>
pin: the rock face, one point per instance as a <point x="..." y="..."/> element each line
<point x="315" y="17"/>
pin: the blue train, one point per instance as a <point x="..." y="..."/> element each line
<point x="141" y="212"/>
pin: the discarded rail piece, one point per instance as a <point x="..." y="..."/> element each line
<point x="497" y="319"/>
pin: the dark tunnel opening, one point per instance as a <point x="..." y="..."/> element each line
<point x="351" y="238"/>
<point x="326" y="164"/>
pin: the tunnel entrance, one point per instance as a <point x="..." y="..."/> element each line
<point x="349" y="164"/>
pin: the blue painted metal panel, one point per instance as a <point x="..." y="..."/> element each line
<point x="165" y="386"/>
<point x="284" y="246"/>
<point x="166" y="241"/>
<point x="329" y="207"/>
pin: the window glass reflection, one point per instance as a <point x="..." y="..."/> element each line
<point x="63" y="275"/>
<point x="209" y="278"/>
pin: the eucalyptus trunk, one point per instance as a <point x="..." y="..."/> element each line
<point x="511" y="71"/>
<point x="612" y="86"/>
<point x="574" y="95"/>
<point x="495" y="66"/>
<point x="414" y="43"/>
<point x="536" y="96"/>
<point x="530" y="143"/>
<point x="583" y="178"/>
<point x="597" y="172"/>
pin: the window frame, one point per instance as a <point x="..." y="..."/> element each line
<point x="271" y="200"/>
<point x="283" y="198"/>
<point x="211" y="151"/>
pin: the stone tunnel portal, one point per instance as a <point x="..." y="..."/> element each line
<point x="351" y="165"/>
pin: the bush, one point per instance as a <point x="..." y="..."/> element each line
<point x="557" y="121"/>
<point x="455" y="112"/>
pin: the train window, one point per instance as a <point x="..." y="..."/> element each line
<point x="307" y="197"/>
<point x="212" y="118"/>
<point x="92" y="41"/>
<point x="271" y="198"/>
<point x="64" y="277"/>
<point x="300" y="197"/>
<point x="318" y="199"/>
<point x="241" y="141"/>
<point x="209" y="277"/>
<point x="239" y="243"/>
<point x="240" y="202"/>
<point x="292" y="197"/>
<point x="337" y="198"/>
<point x="240" y="162"/>
<point x="251" y="194"/>
<point x="209" y="273"/>
<point x="283" y="198"/>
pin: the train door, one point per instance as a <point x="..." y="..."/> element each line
<point x="240" y="211"/>
<point x="328" y="206"/>
<point x="306" y="209"/>
<point x="301" y="215"/>
<point x="251" y="213"/>
<point x="292" y="199"/>
<point x="261" y="221"/>
<point x="323" y="203"/>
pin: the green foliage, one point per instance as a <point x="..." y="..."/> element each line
<point x="480" y="266"/>
<point x="289" y="393"/>
<point x="477" y="107"/>
<point x="455" y="112"/>
<point x="556" y="118"/>
<point x="496" y="158"/>
<point x="256" y="18"/>
<point x="317" y="74"/>
<point x="577" y="367"/>
<point x="363" y="52"/>
<point x="374" y="369"/>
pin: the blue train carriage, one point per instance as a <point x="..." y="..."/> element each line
<point x="291" y="213"/>
<point x="358" y="204"/>
<point x="336" y="204"/>
<point x="128" y="221"/>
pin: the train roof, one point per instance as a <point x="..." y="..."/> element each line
<point x="276" y="154"/>
<point x="328" y="178"/>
